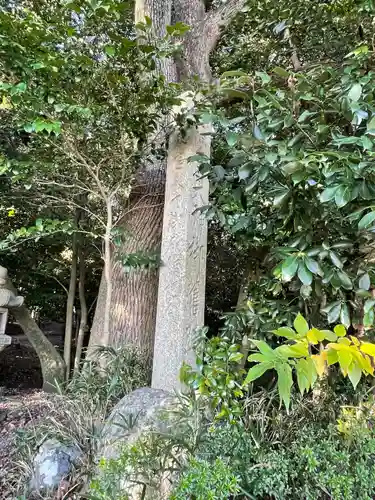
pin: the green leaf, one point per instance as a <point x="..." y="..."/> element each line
<point x="340" y="330"/>
<point x="342" y="196"/>
<point x="284" y="382"/>
<point x="257" y="371"/>
<point x="371" y="124"/>
<point x="367" y="220"/>
<point x="354" y="374"/>
<point x="304" y="274"/>
<point x="345" y="316"/>
<point x="257" y="357"/>
<point x="345" y="280"/>
<point x="364" y="282"/>
<point x="300" y="325"/>
<point x="289" y="268"/>
<point x="313" y="266"/>
<point x="286" y="332"/>
<point x="369" y="304"/>
<point x="335" y="260"/>
<point x="110" y="50"/>
<point x="345" y="358"/>
<point x="355" y="92"/>
<point x="263" y="76"/>
<point x="281" y="72"/>
<point x="258" y="133"/>
<point x="231" y="138"/>
<point x="264" y="348"/>
<point x="244" y="171"/>
<point x="234" y="73"/>
<point x="328" y="194"/>
<point x="334" y="313"/>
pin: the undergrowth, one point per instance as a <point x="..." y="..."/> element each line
<point x="78" y="411"/>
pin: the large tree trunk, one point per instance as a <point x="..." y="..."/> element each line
<point x="134" y="293"/>
<point x="133" y="300"/>
<point x="134" y="296"/>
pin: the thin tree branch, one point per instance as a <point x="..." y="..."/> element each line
<point x="219" y="18"/>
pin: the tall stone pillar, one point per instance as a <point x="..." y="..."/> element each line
<point x="181" y="296"/>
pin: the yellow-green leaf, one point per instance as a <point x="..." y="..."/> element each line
<point x="340" y="330"/>
<point x="344" y="341"/>
<point x="300" y="324"/>
<point x="331" y="357"/>
<point x="354" y="374"/>
<point x="302" y="379"/>
<point x="328" y="335"/>
<point x="315" y="336"/>
<point x="320" y="361"/>
<point x="368" y="348"/>
<point x="286" y="332"/>
<point x="345" y="358"/>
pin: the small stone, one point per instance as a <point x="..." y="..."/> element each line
<point x="52" y="464"/>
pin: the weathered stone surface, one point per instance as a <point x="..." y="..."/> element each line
<point x="182" y="278"/>
<point x="7" y="297"/>
<point x="52" y="464"/>
<point x="136" y="414"/>
<point x="5" y="340"/>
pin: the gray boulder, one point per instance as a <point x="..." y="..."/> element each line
<point x="135" y="415"/>
<point x="53" y="463"/>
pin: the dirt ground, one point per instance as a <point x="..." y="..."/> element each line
<point x="19" y="410"/>
<point x="22" y="404"/>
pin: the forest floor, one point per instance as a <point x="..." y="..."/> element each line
<point x="22" y="405"/>
<point x="20" y="411"/>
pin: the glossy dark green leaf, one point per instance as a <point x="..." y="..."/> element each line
<point x="334" y="313"/>
<point x="328" y="194"/>
<point x="364" y="281"/>
<point x="289" y="268"/>
<point x="355" y="92"/>
<point x="367" y="220"/>
<point x="345" y="280"/>
<point x="304" y="274"/>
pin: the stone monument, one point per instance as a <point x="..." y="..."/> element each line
<point x="182" y="277"/>
<point x="8" y="299"/>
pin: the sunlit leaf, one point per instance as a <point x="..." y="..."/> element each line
<point x="300" y="324"/>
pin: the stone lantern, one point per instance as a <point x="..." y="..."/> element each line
<point x="8" y="299"/>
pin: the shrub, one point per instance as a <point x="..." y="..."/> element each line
<point x="204" y="480"/>
<point x="318" y="462"/>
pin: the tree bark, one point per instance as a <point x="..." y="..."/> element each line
<point x="84" y="313"/>
<point x="134" y="295"/>
<point x="133" y="298"/>
<point x="70" y="302"/>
